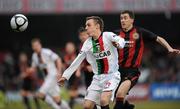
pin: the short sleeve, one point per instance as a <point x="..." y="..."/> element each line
<point x="85" y="46"/>
<point x="34" y="61"/>
<point x="54" y="56"/>
<point x="148" y="35"/>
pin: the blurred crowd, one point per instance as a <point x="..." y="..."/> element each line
<point x="157" y="66"/>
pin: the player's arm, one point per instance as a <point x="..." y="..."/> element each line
<point x="117" y="41"/>
<point x="57" y="60"/>
<point x="58" y="63"/>
<point x="165" y="44"/>
<point x="151" y="37"/>
<point x="72" y="68"/>
<point x="22" y="70"/>
<point x="34" y="64"/>
<point x="59" y="66"/>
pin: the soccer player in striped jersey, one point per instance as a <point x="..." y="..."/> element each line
<point x="28" y="81"/>
<point x="130" y="56"/>
<point x="101" y="53"/>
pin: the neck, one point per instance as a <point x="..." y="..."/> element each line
<point x="38" y="52"/>
<point x="96" y="35"/>
<point x="127" y="29"/>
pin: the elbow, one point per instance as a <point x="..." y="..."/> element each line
<point x="120" y="44"/>
<point x="159" y="39"/>
<point x="58" y="61"/>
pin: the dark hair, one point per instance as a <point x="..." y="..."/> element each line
<point x="131" y="13"/>
<point x="97" y="20"/>
<point x="81" y="29"/>
<point x="35" y="40"/>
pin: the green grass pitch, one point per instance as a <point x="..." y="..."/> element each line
<point x="138" y="104"/>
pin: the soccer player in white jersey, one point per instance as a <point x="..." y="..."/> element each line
<point x="100" y="52"/>
<point x="50" y="63"/>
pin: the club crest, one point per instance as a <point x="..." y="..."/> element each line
<point x="135" y="36"/>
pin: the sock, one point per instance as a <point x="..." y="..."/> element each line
<point x="51" y="102"/>
<point x="58" y="103"/>
<point x="119" y="103"/>
<point x="127" y="105"/>
<point x="81" y="96"/>
<point x="105" y="107"/>
<point x="98" y="107"/>
<point x="95" y="107"/>
<point x="64" y="105"/>
<point x="71" y="102"/>
<point x="26" y="102"/>
<point x="36" y="103"/>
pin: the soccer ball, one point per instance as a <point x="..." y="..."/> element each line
<point x="19" y="22"/>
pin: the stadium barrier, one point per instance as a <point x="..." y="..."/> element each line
<point x="155" y="91"/>
<point x="140" y="92"/>
<point x="165" y="91"/>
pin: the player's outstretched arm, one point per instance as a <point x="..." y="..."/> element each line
<point x="59" y="67"/>
<point x="165" y="44"/>
<point x="72" y="68"/>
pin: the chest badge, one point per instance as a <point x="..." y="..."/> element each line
<point x="135" y="36"/>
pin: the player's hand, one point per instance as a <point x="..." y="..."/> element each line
<point x="61" y="81"/>
<point x="174" y="51"/>
<point x="58" y="76"/>
<point x="116" y="44"/>
<point x="78" y="73"/>
<point x="89" y="68"/>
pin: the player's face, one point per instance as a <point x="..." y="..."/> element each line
<point x="126" y="21"/>
<point x="91" y="27"/>
<point x="36" y="46"/>
<point x="70" y="48"/>
<point x="83" y="36"/>
<point x="23" y="57"/>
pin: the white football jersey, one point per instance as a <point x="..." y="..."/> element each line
<point x="100" y="54"/>
<point x="48" y="61"/>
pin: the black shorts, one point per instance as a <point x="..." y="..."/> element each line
<point x="131" y="74"/>
<point x="28" y="84"/>
<point x="74" y="82"/>
<point x="88" y="76"/>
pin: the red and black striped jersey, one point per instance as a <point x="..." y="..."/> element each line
<point x="131" y="55"/>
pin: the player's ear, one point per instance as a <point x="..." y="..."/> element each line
<point x="132" y="21"/>
<point x="98" y="26"/>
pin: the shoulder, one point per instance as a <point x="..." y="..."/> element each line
<point x="117" y="31"/>
<point x="107" y="34"/>
<point x="146" y="31"/>
<point x="87" y="43"/>
<point x="141" y="29"/>
<point x="34" y="56"/>
<point x="47" y="51"/>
